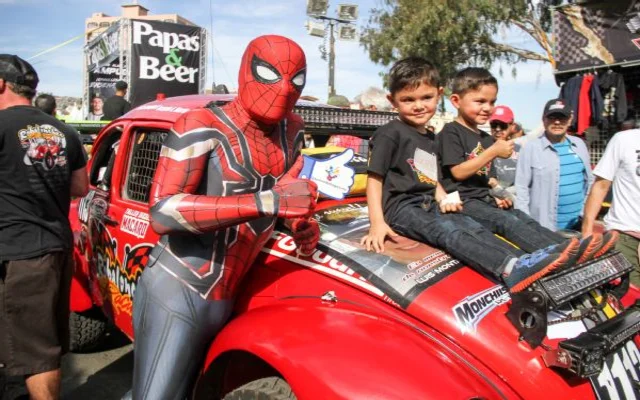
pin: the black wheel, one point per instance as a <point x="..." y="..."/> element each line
<point x="272" y="388"/>
<point x="87" y="330"/>
<point x="49" y="160"/>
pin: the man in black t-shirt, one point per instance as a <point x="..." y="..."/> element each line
<point x="42" y="164"/>
<point x="116" y="106"/>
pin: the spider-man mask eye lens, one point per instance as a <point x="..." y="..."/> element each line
<point x="300" y="79"/>
<point x="263" y="71"/>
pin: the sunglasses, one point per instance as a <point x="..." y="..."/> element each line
<point x="498" y="125"/>
<point x="557" y="117"/>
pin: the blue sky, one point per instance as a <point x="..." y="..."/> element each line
<point x="31" y="26"/>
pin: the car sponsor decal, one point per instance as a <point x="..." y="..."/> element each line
<point x="285" y="248"/>
<point x="161" y="108"/>
<point x="135" y="223"/>
<point x="472" y="309"/>
<point x="404" y="269"/>
<point x="117" y="280"/>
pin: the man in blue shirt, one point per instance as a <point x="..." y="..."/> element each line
<point x="553" y="174"/>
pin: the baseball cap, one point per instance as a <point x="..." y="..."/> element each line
<point x="502" y="114"/>
<point x="556" y="106"/>
<point x="121" y="85"/>
<point x="15" y="69"/>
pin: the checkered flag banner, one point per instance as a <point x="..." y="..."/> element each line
<point x="596" y="34"/>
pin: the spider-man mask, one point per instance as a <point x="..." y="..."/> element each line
<point x="272" y="76"/>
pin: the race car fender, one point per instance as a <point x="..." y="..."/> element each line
<point x="80" y="296"/>
<point x="345" y="351"/>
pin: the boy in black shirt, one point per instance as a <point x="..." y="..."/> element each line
<point x="404" y="195"/>
<point x="466" y="153"/>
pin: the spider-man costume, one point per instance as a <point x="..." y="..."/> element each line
<point x="224" y="176"/>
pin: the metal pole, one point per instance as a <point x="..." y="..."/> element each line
<point x="332" y="61"/>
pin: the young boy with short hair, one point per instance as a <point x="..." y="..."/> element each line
<point x="466" y="153"/>
<point x="404" y="194"/>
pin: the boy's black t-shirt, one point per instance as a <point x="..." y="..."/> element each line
<point x="407" y="160"/>
<point x="458" y="144"/>
<point x="38" y="153"/>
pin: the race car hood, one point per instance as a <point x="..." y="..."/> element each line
<point x="438" y="290"/>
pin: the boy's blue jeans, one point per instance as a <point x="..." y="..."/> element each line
<point x="513" y="225"/>
<point x="457" y="234"/>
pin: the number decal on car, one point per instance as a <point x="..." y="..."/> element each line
<point x="619" y="377"/>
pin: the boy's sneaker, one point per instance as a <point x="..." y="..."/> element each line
<point x="588" y="247"/>
<point x="531" y="267"/>
<point x="609" y="240"/>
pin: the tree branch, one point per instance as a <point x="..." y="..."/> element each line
<point x="526" y="54"/>
<point x="534" y="29"/>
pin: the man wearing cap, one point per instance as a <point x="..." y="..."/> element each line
<point x="503" y="170"/>
<point x="553" y="175"/>
<point x="42" y="164"/>
<point x="116" y="106"/>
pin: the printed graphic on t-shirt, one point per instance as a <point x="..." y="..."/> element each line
<point x="44" y="145"/>
<point x="484" y="171"/>
<point x="425" y="165"/>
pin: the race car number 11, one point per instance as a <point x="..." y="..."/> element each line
<point x="620" y="375"/>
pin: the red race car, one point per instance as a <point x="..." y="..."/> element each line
<point x="344" y="323"/>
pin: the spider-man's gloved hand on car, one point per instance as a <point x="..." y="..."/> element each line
<point x="306" y="234"/>
<point x="295" y="199"/>
<point x="291" y="197"/>
<point x="305" y="230"/>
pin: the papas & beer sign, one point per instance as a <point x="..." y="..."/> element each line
<point x="174" y="45"/>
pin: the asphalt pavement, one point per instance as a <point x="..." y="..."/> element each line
<point x="104" y="374"/>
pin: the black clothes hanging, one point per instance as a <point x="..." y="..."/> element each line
<point x="570" y="93"/>
<point x="615" y="98"/>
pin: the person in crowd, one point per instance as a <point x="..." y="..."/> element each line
<point x="214" y="220"/>
<point x="372" y="99"/>
<point x="619" y="168"/>
<point x="516" y="131"/>
<point x="503" y="170"/>
<point x="308" y="141"/>
<point x="404" y="194"/>
<point x="554" y="172"/>
<point x="96" y="113"/>
<point x="338" y="100"/>
<point x="46" y="103"/>
<point x="43" y="165"/>
<point x="431" y="129"/>
<point x="466" y="156"/>
<point x="116" y="106"/>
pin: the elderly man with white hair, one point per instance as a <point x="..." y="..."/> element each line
<point x="372" y="99"/>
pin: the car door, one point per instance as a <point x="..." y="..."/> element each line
<point x="119" y="222"/>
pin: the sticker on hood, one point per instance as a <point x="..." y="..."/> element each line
<point x="472" y="309"/>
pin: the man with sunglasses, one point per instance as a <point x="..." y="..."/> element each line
<point x="553" y="175"/>
<point x="503" y="170"/>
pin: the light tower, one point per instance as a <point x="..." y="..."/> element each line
<point x="324" y="25"/>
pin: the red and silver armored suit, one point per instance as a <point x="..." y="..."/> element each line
<point x="224" y="176"/>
